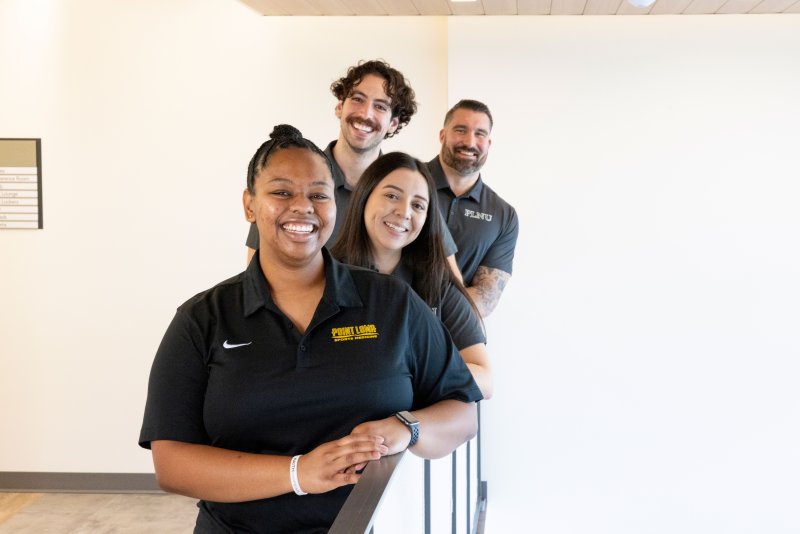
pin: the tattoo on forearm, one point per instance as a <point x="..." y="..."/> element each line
<point x="486" y="287"/>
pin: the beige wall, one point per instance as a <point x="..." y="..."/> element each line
<point x="148" y="114"/>
<point x="646" y="349"/>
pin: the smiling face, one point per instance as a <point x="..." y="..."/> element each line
<point x="366" y="115"/>
<point x="396" y="211"/>
<point x="292" y="205"/>
<point x="466" y="141"/>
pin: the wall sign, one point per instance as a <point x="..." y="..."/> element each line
<point x="20" y="183"/>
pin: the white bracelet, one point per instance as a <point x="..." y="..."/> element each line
<point x="293" y="476"/>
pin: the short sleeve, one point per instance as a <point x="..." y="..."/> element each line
<point x="501" y="253"/>
<point x="176" y="390"/>
<point x="438" y="371"/>
<point x="450" y="247"/>
<point x="460" y="319"/>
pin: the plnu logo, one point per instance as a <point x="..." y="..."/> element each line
<point x="477" y="215"/>
<point x="352" y="333"/>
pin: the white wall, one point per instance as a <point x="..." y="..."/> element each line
<point x="646" y="351"/>
<point x="646" y="348"/>
<point x="149" y="112"/>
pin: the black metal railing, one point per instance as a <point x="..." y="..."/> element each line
<point x="361" y="508"/>
<point x="358" y="512"/>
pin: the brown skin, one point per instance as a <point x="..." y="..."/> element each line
<point x="220" y="475"/>
<point x="293" y="206"/>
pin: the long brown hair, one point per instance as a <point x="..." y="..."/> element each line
<point x="425" y="255"/>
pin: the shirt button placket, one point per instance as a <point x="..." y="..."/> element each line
<point x="303" y="357"/>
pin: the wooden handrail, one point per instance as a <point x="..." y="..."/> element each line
<point x="360" y="508"/>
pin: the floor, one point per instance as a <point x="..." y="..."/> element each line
<point x="92" y="513"/>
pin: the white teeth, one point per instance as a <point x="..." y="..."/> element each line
<point x="362" y="127"/>
<point x="306" y="228"/>
<point x="395" y="227"/>
<point x="467" y="152"/>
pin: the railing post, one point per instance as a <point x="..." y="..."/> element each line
<point x="359" y="510"/>
<point x="454" y="494"/>
<point x="427" y="494"/>
<point x="482" y="497"/>
<point x="469" y="483"/>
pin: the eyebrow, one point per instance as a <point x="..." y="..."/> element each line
<point x="480" y="130"/>
<point x="390" y="186"/>
<point x="327" y="183"/>
<point x="357" y="92"/>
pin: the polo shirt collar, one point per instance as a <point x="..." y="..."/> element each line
<point x="338" y="175"/>
<point x="403" y="271"/>
<point x="340" y="289"/>
<point x="439" y="178"/>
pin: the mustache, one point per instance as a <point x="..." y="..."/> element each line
<point x="372" y="124"/>
<point x="463" y="148"/>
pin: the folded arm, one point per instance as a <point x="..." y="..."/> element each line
<point x="222" y="475"/>
<point x="477" y="359"/>
<point x="486" y="287"/>
<point x="442" y="428"/>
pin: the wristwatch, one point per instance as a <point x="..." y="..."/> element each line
<point x="412" y="423"/>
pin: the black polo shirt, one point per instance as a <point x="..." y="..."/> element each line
<point x="454" y="310"/>
<point x="342" y="192"/>
<point x="483" y="225"/>
<point x="233" y="372"/>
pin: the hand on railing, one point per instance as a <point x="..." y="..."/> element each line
<point x="361" y="507"/>
<point x="395" y="434"/>
<point x="335" y="464"/>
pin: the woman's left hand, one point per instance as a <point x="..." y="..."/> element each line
<point x="396" y="436"/>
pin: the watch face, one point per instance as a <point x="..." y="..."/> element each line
<point x="412" y="423"/>
<point x="408" y="418"/>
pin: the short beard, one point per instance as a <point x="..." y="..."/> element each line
<point x="462" y="168"/>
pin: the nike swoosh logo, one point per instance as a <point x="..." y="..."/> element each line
<point x="234" y="345"/>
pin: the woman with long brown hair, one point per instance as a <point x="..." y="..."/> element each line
<point x="393" y="226"/>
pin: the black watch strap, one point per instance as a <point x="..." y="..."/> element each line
<point x="412" y="423"/>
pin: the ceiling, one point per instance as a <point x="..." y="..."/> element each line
<point x="515" y="7"/>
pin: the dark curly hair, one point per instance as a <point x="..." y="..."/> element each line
<point x="282" y="136"/>
<point x="403" y="104"/>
